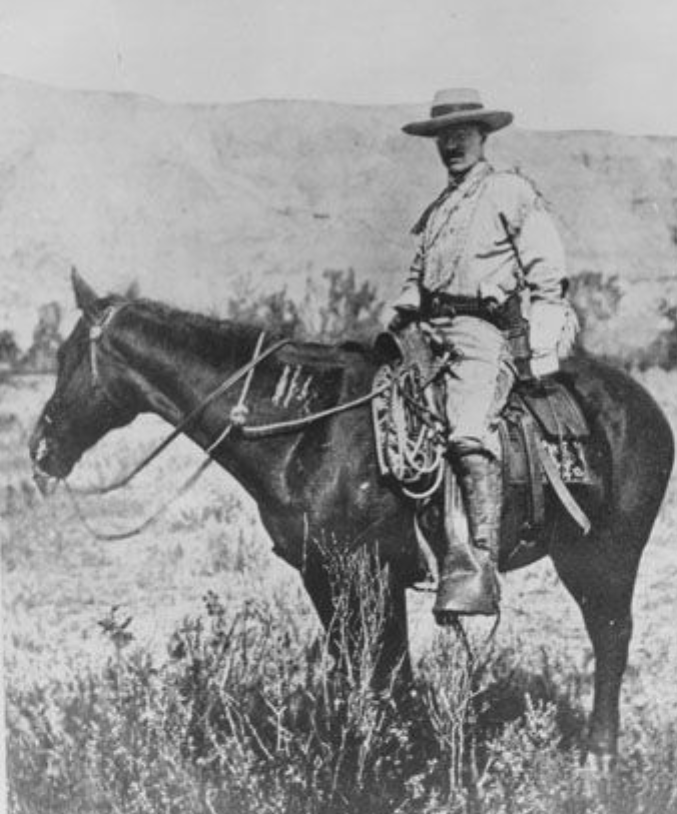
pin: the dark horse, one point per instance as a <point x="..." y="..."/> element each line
<point x="319" y="487"/>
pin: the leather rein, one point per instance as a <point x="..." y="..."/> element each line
<point x="237" y="420"/>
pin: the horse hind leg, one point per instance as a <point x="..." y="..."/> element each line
<point x="600" y="574"/>
<point x="610" y="628"/>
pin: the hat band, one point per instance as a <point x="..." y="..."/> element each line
<point x="443" y="110"/>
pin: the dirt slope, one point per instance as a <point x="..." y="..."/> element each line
<point x="192" y="200"/>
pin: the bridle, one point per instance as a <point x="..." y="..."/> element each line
<point x="196" y="474"/>
<point x="237" y="420"/>
<point x="95" y="334"/>
<point x="237" y="416"/>
<point x="96" y="330"/>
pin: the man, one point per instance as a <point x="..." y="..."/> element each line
<point x="484" y="245"/>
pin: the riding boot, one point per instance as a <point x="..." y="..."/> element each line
<point x="468" y="583"/>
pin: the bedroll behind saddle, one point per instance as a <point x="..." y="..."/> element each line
<point x="542" y="429"/>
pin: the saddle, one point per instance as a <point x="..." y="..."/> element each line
<point x="542" y="430"/>
<point x="543" y="436"/>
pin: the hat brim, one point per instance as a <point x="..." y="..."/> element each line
<point x="491" y="119"/>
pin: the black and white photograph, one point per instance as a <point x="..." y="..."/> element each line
<point x="338" y="395"/>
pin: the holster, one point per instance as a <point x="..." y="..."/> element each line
<point x="506" y="317"/>
<point x="516" y="330"/>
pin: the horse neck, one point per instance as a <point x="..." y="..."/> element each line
<point x="175" y="361"/>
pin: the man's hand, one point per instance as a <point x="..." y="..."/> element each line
<point x="533" y="374"/>
<point x="401" y="318"/>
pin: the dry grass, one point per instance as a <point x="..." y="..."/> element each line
<point x="216" y="697"/>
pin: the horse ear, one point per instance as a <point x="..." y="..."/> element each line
<point x="85" y="296"/>
<point x="133" y="291"/>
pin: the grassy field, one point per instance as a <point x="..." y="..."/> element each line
<point x="184" y="671"/>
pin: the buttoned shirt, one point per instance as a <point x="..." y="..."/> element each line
<point x="463" y="248"/>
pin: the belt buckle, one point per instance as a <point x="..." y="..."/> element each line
<point x="446" y="309"/>
<point x="438" y="308"/>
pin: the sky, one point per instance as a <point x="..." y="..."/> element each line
<point x="579" y="64"/>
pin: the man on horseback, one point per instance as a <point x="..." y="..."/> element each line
<point x="487" y="246"/>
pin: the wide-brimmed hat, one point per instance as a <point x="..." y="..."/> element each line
<point x="457" y="106"/>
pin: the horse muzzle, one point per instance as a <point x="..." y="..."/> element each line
<point x="45" y="482"/>
<point x="41" y="458"/>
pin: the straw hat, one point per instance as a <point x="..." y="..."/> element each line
<point x="457" y="106"/>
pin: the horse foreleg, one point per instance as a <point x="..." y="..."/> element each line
<point x="393" y="663"/>
<point x="366" y="625"/>
<point x="600" y="574"/>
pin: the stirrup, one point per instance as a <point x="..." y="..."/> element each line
<point x="467" y="593"/>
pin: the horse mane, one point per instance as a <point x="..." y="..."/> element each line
<point x="217" y="340"/>
<point x="209" y="337"/>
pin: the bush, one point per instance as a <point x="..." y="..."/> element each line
<point x="351" y="311"/>
<point x="9" y="350"/>
<point x="41" y="356"/>
<point x="247" y="715"/>
<point x="663" y="351"/>
<point x="336" y="310"/>
<point x="275" y="312"/>
<point x="596" y="299"/>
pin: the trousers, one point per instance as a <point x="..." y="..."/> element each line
<point x="480" y="379"/>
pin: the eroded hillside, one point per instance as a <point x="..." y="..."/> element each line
<point x="193" y="200"/>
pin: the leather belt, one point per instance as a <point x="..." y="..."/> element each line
<point x="437" y="304"/>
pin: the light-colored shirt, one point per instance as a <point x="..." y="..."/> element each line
<point x="463" y="249"/>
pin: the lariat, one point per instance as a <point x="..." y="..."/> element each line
<point x="412" y="437"/>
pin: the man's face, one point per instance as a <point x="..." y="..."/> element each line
<point x="461" y="146"/>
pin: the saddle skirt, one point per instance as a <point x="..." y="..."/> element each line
<point x="542" y="430"/>
<point x="547" y="414"/>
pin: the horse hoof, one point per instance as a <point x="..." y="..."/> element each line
<point x="600" y="765"/>
<point x="597" y="774"/>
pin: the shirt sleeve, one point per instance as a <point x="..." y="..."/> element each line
<point x="410" y="295"/>
<point x="542" y="257"/>
<point x="542" y="254"/>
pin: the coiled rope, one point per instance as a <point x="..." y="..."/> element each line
<point x="411" y="437"/>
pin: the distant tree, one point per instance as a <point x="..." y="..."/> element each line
<point x="41" y="356"/>
<point x="663" y="350"/>
<point x="339" y="311"/>
<point x="275" y="312"/>
<point x="595" y="297"/>
<point x="351" y="311"/>
<point x="9" y="350"/>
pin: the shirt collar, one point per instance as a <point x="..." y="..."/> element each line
<point x="478" y="168"/>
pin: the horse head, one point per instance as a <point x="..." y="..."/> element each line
<point x="89" y="398"/>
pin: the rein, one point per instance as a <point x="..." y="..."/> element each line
<point x="238" y="411"/>
<point x="237" y="422"/>
<point x="294" y="424"/>
<point x="238" y="417"/>
<point x="185" y="422"/>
